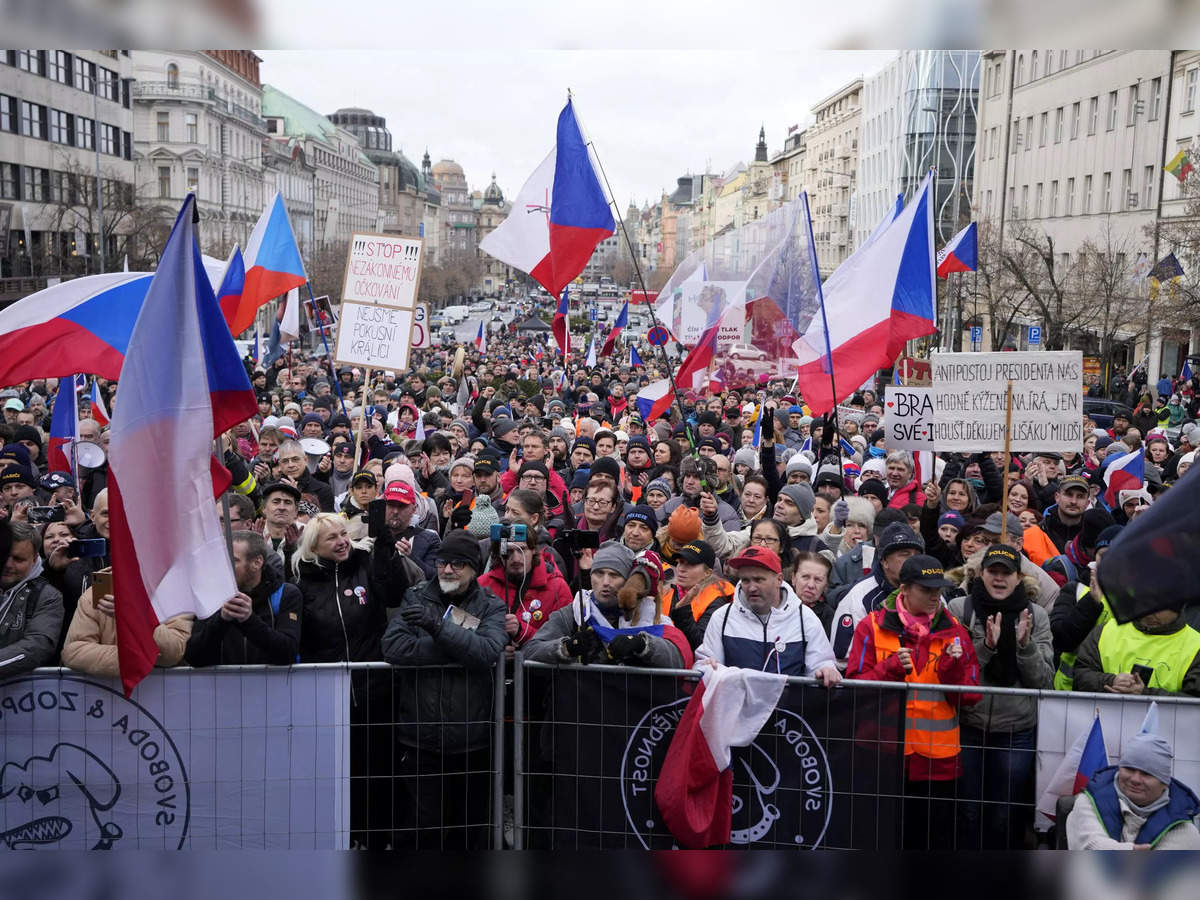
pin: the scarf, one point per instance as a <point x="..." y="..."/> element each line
<point x="1001" y="669"/>
<point x="1142" y="813"/>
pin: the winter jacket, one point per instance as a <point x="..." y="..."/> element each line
<point x="692" y="611"/>
<point x="1090" y="673"/>
<point x="1074" y="614"/>
<point x="545" y="590"/>
<point x="666" y="652"/>
<point x="1058" y="531"/>
<point x="728" y="516"/>
<point x="344" y="609"/>
<point x="268" y="637"/>
<point x="856" y="604"/>
<point x="790" y="641"/>
<point x="31" y="614"/>
<point x="309" y="484"/>
<point x="1003" y="713"/>
<point x="91" y="644"/>
<point x="1045" y="590"/>
<point x="425" y="545"/>
<point x="947" y="554"/>
<point x="848" y="571"/>
<point x="910" y="493"/>
<point x="446" y="709"/>
<point x="1037" y="545"/>
<point x="1102" y="820"/>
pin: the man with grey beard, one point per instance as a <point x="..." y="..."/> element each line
<point x="444" y="715"/>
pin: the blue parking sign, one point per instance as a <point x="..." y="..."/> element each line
<point x="976" y="334"/>
<point x="1035" y="334"/>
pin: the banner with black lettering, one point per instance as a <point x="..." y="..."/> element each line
<point x="826" y="770"/>
<point x="197" y="759"/>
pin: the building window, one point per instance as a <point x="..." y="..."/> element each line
<point x="172" y="75"/>
<point x="1037" y="201"/>
<point x="1093" y="114"/>
<point x="85" y="75"/>
<point x="1087" y="194"/>
<point x="108" y="84"/>
<point x="1047" y="63"/>
<point x="8" y="117"/>
<point x="58" y="62"/>
<point x="1033" y="61"/>
<point x="1021" y="69"/>
<point x="1024" y="201"/>
<point x="1074" y="120"/>
<point x="36" y="184"/>
<point x="1128" y="198"/>
<point x="85" y="133"/>
<point x="110" y="142"/>
<point x="29" y="61"/>
<point x="1189" y="91"/>
<point x="1133" y="106"/>
<point x="1058" y="125"/>
<point x="1045" y="127"/>
<point x="193" y="178"/>
<point x="1111" y="111"/>
<point x="1106" y="193"/>
<point x="59" y="132"/>
<point x="8" y="181"/>
<point x="1052" y="211"/>
<point x="163" y="124"/>
<point x="1155" y="98"/>
<point x="164" y="182"/>
<point x="31" y="119"/>
<point x="1069" y="209"/>
<point x="191" y="127"/>
<point x="1148" y="187"/>
<point x="1028" y="135"/>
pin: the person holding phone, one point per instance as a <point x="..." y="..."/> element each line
<point x="1156" y="653"/>
<point x="31" y="610"/>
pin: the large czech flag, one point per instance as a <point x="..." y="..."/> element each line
<point x="273" y="267"/>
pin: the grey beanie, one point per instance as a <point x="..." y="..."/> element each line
<point x="746" y="457"/>
<point x="800" y="494"/>
<point x="1149" y="753"/>
<point x="798" y="463"/>
<point x="659" y="484"/>
<point x="615" y="556"/>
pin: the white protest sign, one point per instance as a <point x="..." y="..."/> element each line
<point x="383" y="269"/>
<point x="376" y="337"/>
<point x="908" y="417"/>
<point x="969" y="401"/>
<point x="421" y="335"/>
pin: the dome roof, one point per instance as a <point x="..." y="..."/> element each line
<point x="447" y="167"/>
<point x="493" y="194"/>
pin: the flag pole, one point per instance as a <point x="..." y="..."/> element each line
<point x="362" y="424"/>
<point x="1007" y="464"/>
<point x="812" y="253"/>
<point x="333" y="375"/>
<point x="637" y="270"/>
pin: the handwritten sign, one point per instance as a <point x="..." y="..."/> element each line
<point x="969" y="401"/>
<point x="908" y="417"/>
<point x="383" y="269"/>
<point x="376" y="337"/>
<point x="421" y="335"/>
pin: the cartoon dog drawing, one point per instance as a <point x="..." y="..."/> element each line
<point x="53" y="795"/>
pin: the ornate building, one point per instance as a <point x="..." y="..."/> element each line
<point x="460" y="220"/>
<point x="492" y="210"/>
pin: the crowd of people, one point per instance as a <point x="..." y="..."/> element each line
<point x="493" y="503"/>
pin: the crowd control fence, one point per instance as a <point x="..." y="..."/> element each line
<point x="371" y="755"/>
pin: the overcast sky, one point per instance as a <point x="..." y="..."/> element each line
<point x="652" y="115"/>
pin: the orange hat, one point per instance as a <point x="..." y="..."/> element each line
<point x="684" y="525"/>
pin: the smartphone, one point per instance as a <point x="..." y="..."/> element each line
<point x="582" y="540"/>
<point x="88" y="547"/>
<point x="102" y="583"/>
<point x="376" y="518"/>
<point x="1144" y="672"/>
<point x="43" y="515"/>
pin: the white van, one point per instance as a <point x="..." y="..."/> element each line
<point x="455" y="314"/>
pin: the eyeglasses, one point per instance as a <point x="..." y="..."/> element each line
<point x="598" y="501"/>
<point x="762" y="541"/>
<point x="528" y="476"/>
<point x="456" y="565"/>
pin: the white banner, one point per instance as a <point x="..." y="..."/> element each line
<point x="1063" y="717"/>
<point x="376" y="337"/>
<point x="970" y="396"/>
<point x="198" y="759"/>
<point x="908" y="417"/>
<point x="383" y="268"/>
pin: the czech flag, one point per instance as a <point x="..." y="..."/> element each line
<point x="875" y="302"/>
<point x="562" y="334"/>
<point x="591" y="354"/>
<point x="99" y="413"/>
<point x="64" y="429"/>
<point x="1185" y="373"/>
<point x="559" y="215"/>
<point x="700" y="358"/>
<point x="694" y="791"/>
<point x="961" y="254"/>
<point x="481" y="339"/>
<point x="634" y="359"/>
<point x="1083" y="759"/>
<point x="272" y="267"/>
<point x="611" y="341"/>
<point x="1125" y="473"/>
<point x="182" y="385"/>
<point x="654" y="400"/>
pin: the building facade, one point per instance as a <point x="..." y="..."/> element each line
<point x="198" y="129"/>
<point x="459" y="218"/>
<point x="65" y="117"/>
<point x="831" y="158"/>
<point x="492" y="209"/>
<point x="288" y="171"/>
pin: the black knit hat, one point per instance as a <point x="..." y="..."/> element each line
<point x="460" y="546"/>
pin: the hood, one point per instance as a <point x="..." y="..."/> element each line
<point x="8" y="593"/>
<point x="965" y="574"/>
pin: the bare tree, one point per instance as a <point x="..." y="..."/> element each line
<point x="1048" y="280"/>
<point x="996" y="293"/>
<point x="1177" y="304"/>
<point x="1110" y="289"/>
<point x="327" y="271"/>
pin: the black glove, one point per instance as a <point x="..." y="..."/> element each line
<point x="624" y="646"/>
<point x="582" y="644"/>
<point x="768" y="424"/>
<point x="461" y="516"/>
<point x="421" y="614"/>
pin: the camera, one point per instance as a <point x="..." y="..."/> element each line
<point x="44" y="515"/>
<point x="502" y="532"/>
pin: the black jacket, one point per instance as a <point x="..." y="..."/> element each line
<point x="266" y="638"/>
<point x="344" y="610"/>
<point x="31" y="615"/>
<point x="1072" y="617"/>
<point x="1057" y="530"/>
<point x="309" y="484"/>
<point x="448" y="708"/>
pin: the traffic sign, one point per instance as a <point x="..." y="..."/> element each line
<point x="657" y="336"/>
<point x="976" y="334"/>
<point x="1035" y="334"/>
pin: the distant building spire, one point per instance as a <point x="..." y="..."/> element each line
<point x="760" y="152"/>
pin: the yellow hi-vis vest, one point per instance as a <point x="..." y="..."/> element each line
<point x="1170" y="655"/>
<point x="1064" y="676"/>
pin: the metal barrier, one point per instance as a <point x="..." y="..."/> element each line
<point x="827" y="770"/>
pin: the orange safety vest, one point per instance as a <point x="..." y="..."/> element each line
<point x="931" y="722"/>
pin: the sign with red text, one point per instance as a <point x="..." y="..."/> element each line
<point x="908" y="417"/>
<point x="374" y="336"/>
<point x="383" y="269"/>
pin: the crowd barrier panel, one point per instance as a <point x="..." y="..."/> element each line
<point x="827" y="770"/>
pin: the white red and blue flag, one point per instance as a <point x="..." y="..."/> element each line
<point x="961" y="254"/>
<point x="618" y="326"/>
<point x="1125" y="473"/>
<point x="272" y="267"/>
<point x="64" y="429"/>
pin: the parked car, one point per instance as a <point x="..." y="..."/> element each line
<point x="746" y="352"/>
<point x="1102" y="411"/>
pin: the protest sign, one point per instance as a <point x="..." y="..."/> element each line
<point x="970" y="394"/>
<point x="383" y="269"/>
<point x="377" y="337"/>
<point x="421" y="334"/>
<point x="908" y="417"/>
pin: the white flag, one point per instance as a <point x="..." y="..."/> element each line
<point x="289" y="325"/>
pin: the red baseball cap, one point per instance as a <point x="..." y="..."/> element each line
<point x="400" y="492"/>
<point x="757" y="556"/>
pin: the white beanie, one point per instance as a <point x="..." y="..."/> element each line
<point x="875" y="464"/>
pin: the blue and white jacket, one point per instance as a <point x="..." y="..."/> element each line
<point x="791" y="640"/>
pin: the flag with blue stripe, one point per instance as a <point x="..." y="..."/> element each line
<point x="634" y="359"/>
<point x="758" y="425"/>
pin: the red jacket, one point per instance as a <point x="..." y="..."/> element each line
<point x="910" y="493"/>
<point x="545" y="592"/>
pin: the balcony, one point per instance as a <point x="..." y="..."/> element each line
<point x="162" y="90"/>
